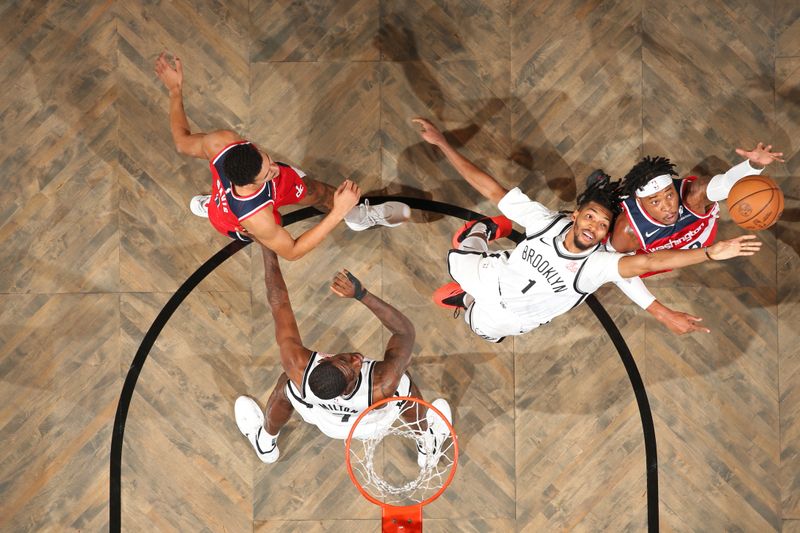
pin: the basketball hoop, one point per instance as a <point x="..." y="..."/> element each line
<point x="381" y="467"/>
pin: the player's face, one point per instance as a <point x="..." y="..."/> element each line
<point x="662" y="206"/>
<point x="269" y="169"/>
<point x="591" y="226"/>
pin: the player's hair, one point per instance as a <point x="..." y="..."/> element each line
<point x="603" y="192"/>
<point x="242" y="164"/>
<point x="326" y="381"/>
<point x="645" y="170"/>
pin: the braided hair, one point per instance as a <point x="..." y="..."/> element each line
<point x="643" y="171"/>
<point x="603" y="192"/>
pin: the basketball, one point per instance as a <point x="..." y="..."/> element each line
<point x="755" y="202"/>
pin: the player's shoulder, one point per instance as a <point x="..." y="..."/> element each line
<point x="215" y="141"/>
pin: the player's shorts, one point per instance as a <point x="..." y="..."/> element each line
<point x="337" y="426"/>
<point x="477" y="274"/>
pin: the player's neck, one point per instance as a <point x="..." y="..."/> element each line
<point x="250" y="188"/>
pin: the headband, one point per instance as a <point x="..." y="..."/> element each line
<point x="654" y="185"/>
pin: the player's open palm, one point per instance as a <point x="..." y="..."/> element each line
<point x="346" y="197"/>
<point x="744" y="245"/>
<point x="429" y="132"/>
<point x="761" y="155"/>
<point x="342" y="286"/>
<point x="171" y="77"/>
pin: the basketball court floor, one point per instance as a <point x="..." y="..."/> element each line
<point x="97" y="237"/>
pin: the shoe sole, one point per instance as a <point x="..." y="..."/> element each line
<point x="503" y="224"/>
<point x="446" y="291"/>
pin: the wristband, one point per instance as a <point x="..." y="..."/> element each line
<point x="359" y="290"/>
<point x="705" y="249"/>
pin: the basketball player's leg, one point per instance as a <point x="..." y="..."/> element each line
<point x="432" y="429"/>
<point x="261" y="431"/>
<point x="415" y="415"/>
<point x="279" y="408"/>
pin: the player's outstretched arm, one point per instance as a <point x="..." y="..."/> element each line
<point x="200" y="145"/>
<point x="704" y="190"/>
<point x="294" y="356"/>
<point x="480" y="180"/>
<point x="398" y="350"/>
<point x="267" y="232"/>
<point x="636" y="265"/>
<point x="675" y="321"/>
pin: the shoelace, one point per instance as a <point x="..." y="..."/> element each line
<point x="369" y="215"/>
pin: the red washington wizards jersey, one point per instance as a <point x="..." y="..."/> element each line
<point x="227" y="210"/>
<point x="691" y="230"/>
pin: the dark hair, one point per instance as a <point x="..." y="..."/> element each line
<point x="603" y="192"/>
<point x="242" y="164"/>
<point x="326" y="381"/>
<point x="643" y="171"/>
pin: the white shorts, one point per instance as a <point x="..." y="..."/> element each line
<point x="477" y="274"/>
<point x="337" y="426"/>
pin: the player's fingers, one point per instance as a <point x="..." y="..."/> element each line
<point x="178" y="65"/>
<point x="694" y="318"/>
<point x="335" y="291"/>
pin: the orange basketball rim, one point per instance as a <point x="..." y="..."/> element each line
<point x="437" y="457"/>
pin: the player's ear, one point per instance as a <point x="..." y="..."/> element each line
<point x="574" y="215"/>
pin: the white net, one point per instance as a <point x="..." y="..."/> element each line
<point x="402" y="463"/>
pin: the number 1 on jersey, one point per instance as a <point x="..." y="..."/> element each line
<point x="529" y="285"/>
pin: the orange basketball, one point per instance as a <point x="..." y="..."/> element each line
<point x="755" y="202"/>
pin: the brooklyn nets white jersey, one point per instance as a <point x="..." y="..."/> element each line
<point x="516" y="291"/>
<point x="335" y="417"/>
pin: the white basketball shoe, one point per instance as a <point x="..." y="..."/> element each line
<point x="364" y="216"/>
<point x="429" y="447"/>
<point x="199" y="205"/>
<point x="250" y="419"/>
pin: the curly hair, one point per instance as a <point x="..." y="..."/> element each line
<point x="643" y="171"/>
<point x="326" y="381"/>
<point x="603" y="192"/>
<point x="242" y="164"/>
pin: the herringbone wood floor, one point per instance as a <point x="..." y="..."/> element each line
<point x="96" y="236"/>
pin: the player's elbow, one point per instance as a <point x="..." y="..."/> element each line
<point x="407" y="329"/>
<point x="293" y="254"/>
<point x="182" y="147"/>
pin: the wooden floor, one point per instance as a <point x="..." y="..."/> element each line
<point x="95" y="236"/>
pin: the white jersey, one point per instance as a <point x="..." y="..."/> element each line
<point x="540" y="279"/>
<point x="335" y="417"/>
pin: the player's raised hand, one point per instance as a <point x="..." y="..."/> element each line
<point x="761" y="155"/>
<point x="744" y="245"/>
<point x="429" y="132"/>
<point x="171" y="77"/>
<point x="346" y="285"/>
<point x="681" y="323"/>
<point x="346" y="197"/>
